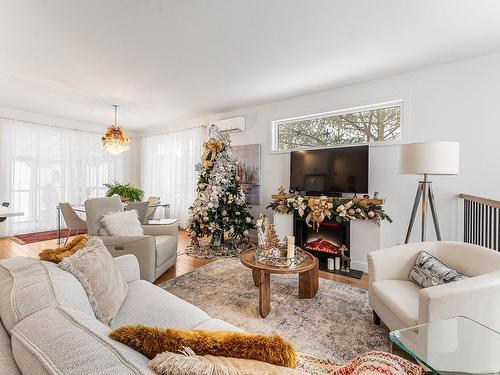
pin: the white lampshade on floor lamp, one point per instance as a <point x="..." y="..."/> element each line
<point x="427" y="158"/>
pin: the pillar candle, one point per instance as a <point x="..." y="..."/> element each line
<point x="337" y="263"/>
<point x="290" y="246"/>
<point x="330" y="264"/>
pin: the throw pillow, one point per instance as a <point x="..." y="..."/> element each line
<point x="188" y="363"/>
<point x="57" y="254"/>
<point x="378" y="363"/>
<point x="151" y="341"/>
<point x="429" y="271"/>
<point x="124" y="223"/>
<point x="94" y="267"/>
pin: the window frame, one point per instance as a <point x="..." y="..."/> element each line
<point x="273" y="144"/>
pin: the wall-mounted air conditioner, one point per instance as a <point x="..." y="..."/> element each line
<point x="231" y="124"/>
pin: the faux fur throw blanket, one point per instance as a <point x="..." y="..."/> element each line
<point x="151" y="341"/>
<point x="59" y="253"/>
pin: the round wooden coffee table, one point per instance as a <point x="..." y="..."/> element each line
<point x="261" y="273"/>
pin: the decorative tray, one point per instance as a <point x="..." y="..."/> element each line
<point x="278" y="257"/>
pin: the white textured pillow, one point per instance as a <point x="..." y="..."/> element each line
<point x="103" y="282"/>
<point x="124" y="223"/>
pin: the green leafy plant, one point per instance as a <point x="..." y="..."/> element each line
<point x="127" y="192"/>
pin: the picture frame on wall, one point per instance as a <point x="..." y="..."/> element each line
<point x="249" y="171"/>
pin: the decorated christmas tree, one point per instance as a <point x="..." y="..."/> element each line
<point x="220" y="205"/>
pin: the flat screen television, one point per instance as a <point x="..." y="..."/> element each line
<point x="330" y="171"/>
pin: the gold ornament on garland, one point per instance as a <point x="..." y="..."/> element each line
<point x="212" y="148"/>
<point x="320" y="209"/>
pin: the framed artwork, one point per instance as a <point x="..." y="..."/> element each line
<point x="248" y="170"/>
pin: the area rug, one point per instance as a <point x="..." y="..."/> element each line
<point x="42" y="236"/>
<point x="336" y="324"/>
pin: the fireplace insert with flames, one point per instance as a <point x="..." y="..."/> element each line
<point x="325" y="242"/>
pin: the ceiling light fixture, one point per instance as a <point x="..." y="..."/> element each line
<point x="114" y="140"/>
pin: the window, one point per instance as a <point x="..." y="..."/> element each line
<point x="168" y="168"/>
<point x="355" y="126"/>
<point x="42" y="166"/>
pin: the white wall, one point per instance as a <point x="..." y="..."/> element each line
<point x="457" y="102"/>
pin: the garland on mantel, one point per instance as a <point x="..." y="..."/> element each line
<point x="317" y="209"/>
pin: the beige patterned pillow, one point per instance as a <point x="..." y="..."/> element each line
<point x="94" y="267"/>
<point x="188" y="363"/>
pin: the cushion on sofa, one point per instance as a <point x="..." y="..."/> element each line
<point x="65" y="341"/>
<point x="400" y="297"/>
<point x="157" y="307"/>
<point x="429" y="271"/>
<point x="125" y="223"/>
<point x="22" y="279"/>
<point x="94" y="267"/>
<point x="188" y="363"/>
<point x="166" y="248"/>
<point x="152" y="341"/>
<point x="8" y="365"/>
<point x="57" y="254"/>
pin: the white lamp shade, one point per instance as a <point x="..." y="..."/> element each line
<point x="429" y="158"/>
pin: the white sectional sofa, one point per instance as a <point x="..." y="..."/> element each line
<point x="48" y="326"/>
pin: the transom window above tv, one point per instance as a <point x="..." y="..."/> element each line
<point x="354" y="126"/>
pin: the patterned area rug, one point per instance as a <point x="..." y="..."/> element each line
<point x="23" y="239"/>
<point x="336" y="324"/>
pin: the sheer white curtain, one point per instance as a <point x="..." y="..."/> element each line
<point x="41" y="166"/>
<point x="168" y="162"/>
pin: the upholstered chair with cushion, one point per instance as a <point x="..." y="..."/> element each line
<point x="401" y="303"/>
<point x="156" y="250"/>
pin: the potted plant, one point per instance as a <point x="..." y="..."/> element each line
<point x="127" y="192"/>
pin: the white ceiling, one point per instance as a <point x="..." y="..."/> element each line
<point x="167" y="60"/>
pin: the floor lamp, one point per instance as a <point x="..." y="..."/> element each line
<point x="427" y="158"/>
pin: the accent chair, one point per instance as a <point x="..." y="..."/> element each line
<point x="156" y="251"/>
<point x="400" y="303"/>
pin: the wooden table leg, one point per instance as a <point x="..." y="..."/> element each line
<point x="255" y="276"/>
<point x="308" y="282"/>
<point x="264" y="293"/>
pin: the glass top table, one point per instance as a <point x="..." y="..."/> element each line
<point x="453" y="346"/>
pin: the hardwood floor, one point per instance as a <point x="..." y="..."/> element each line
<point x="185" y="263"/>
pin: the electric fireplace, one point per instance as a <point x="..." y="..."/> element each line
<point x="325" y="242"/>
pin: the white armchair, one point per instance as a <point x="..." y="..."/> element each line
<point x="401" y="303"/>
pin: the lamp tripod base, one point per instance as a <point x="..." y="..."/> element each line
<point x="426" y="195"/>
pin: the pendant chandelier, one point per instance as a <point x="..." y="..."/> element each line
<point x="114" y="140"/>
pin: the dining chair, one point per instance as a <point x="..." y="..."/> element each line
<point x="152" y="210"/>
<point x="140" y="207"/>
<point x="72" y="220"/>
<point x="4" y="204"/>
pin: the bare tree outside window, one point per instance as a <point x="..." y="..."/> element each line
<point x="382" y="124"/>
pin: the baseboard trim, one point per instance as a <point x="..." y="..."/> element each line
<point x="359" y="266"/>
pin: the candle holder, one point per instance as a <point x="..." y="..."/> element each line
<point x="278" y="257"/>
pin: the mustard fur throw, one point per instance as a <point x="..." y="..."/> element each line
<point x="59" y="253"/>
<point x="151" y="341"/>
